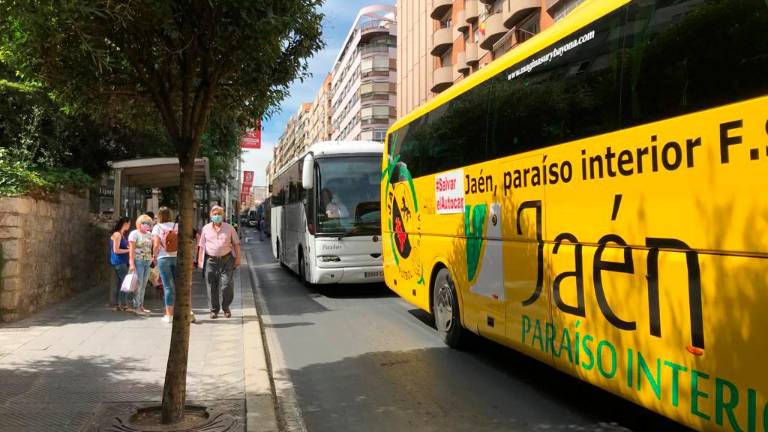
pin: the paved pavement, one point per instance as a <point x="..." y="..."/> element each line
<point x="358" y="358"/>
<point x="59" y="365"/>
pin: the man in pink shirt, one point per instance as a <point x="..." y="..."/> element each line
<point x="218" y="241"/>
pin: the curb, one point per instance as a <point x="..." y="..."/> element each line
<point x="260" y="407"/>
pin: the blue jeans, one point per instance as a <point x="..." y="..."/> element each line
<point x="167" y="267"/>
<point x="118" y="297"/>
<point x="142" y="275"/>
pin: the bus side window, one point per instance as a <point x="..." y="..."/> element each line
<point x="570" y="97"/>
<point x="691" y="56"/>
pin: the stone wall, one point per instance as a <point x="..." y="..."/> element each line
<point x="49" y="251"/>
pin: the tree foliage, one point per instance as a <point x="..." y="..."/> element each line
<point x="173" y="61"/>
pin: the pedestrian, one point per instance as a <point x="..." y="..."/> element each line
<point x="165" y="244"/>
<point x="260" y="213"/>
<point x="140" y="261"/>
<point x="220" y="254"/>
<point x="118" y="258"/>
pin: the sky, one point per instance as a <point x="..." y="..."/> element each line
<point x="339" y="16"/>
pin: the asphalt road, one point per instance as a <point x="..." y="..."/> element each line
<point x="358" y="358"/>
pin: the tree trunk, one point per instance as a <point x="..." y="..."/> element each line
<point x="175" y="388"/>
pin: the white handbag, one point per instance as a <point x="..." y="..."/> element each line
<point x="130" y="283"/>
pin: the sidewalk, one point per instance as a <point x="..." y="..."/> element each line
<point x="58" y="367"/>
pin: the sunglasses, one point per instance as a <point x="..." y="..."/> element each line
<point x="147" y="223"/>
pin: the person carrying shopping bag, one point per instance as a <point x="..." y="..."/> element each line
<point x="220" y="254"/>
<point x="140" y="261"/>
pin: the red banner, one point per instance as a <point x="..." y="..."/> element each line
<point x="247" y="180"/>
<point x="252" y="137"/>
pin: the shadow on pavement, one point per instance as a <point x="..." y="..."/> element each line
<point x="60" y="393"/>
<point x="93" y="306"/>
<point x="484" y="388"/>
<point x="423" y="316"/>
<point x="287" y="325"/>
<point x="354" y="291"/>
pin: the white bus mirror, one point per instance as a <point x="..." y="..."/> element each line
<point x="308" y="172"/>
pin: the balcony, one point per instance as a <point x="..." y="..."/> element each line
<point x="516" y="10"/>
<point x="461" y="23"/>
<point x="442" y="39"/>
<point x="471" y="54"/>
<point x="461" y="63"/>
<point x="494" y="30"/>
<point x="439" y="8"/>
<point x="374" y="28"/>
<point x="442" y="78"/>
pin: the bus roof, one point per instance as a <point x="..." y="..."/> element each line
<point x="578" y="18"/>
<point x="330" y="148"/>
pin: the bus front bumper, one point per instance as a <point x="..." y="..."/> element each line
<point x="349" y="275"/>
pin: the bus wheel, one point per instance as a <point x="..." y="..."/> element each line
<point x="445" y="305"/>
<point x="302" y="269"/>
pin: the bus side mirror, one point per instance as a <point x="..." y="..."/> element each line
<point x="308" y="172"/>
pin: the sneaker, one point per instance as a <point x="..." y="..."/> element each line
<point x="192" y="317"/>
<point x="167" y="319"/>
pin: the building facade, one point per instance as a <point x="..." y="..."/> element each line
<point x="440" y="42"/>
<point x="319" y="124"/>
<point x="357" y="100"/>
<point x="364" y="75"/>
<point x="295" y="138"/>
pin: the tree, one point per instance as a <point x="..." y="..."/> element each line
<point x="168" y="62"/>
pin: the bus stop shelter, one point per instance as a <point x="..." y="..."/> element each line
<point x="154" y="173"/>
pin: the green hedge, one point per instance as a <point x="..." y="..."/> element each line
<point x="17" y="177"/>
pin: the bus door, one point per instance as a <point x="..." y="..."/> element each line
<point x="485" y="269"/>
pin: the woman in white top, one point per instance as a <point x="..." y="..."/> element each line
<point x="140" y="261"/>
<point x="165" y="244"/>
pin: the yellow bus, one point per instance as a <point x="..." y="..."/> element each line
<point x="597" y="198"/>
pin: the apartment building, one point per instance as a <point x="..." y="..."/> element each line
<point x="440" y="42"/>
<point x="295" y="137"/>
<point x="364" y="75"/>
<point x="319" y="123"/>
<point x="357" y="98"/>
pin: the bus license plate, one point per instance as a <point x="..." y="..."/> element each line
<point x="374" y="274"/>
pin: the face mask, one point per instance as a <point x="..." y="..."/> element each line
<point x="217" y="219"/>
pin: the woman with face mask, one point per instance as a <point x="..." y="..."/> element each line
<point x="140" y="261"/>
<point x="118" y="258"/>
<point x="220" y="244"/>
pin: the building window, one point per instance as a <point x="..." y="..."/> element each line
<point x="528" y="28"/>
<point x="566" y="6"/>
<point x="445" y="59"/>
<point x="379" y="134"/>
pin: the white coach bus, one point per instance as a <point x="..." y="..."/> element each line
<point x="326" y="213"/>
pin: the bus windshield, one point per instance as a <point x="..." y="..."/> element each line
<point x="348" y="196"/>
